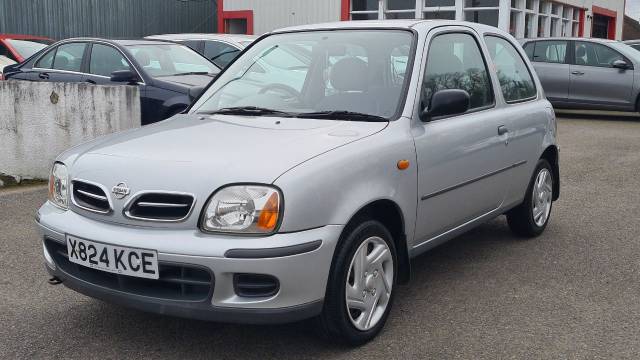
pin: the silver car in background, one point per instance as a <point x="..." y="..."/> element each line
<point x="220" y="49"/>
<point x="281" y="198"/>
<point x="590" y="74"/>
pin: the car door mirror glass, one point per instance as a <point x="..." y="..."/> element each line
<point x="124" y="76"/>
<point x="446" y="102"/>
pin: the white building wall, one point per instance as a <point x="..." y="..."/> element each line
<point x="273" y="14"/>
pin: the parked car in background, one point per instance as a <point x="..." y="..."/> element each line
<point x="634" y="44"/>
<point x="219" y="48"/>
<point x="300" y="200"/>
<point x="4" y="61"/>
<point x="169" y="75"/>
<point x="590" y="74"/>
<point x="20" y="47"/>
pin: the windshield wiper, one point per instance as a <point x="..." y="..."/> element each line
<point x="343" y="115"/>
<point x="248" y="110"/>
<point x="194" y="73"/>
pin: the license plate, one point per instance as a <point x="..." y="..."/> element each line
<point x="114" y="259"/>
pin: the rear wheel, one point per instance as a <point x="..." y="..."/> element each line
<point x="530" y="218"/>
<point x="360" y="288"/>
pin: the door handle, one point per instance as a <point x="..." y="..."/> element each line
<point x="43" y="76"/>
<point x="90" y="82"/>
<point x="576" y="72"/>
<point x="502" y="130"/>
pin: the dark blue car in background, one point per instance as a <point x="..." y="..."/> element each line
<point x="169" y="75"/>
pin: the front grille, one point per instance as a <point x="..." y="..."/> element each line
<point x="158" y="206"/>
<point x="176" y="282"/>
<point x="90" y="197"/>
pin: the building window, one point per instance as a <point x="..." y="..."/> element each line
<point x="364" y="9"/>
<point x="442" y="15"/>
<point x="400" y="9"/>
<point x="488" y="17"/>
<point x="481" y="3"/>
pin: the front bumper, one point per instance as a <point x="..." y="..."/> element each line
<point x="300" y="261"/>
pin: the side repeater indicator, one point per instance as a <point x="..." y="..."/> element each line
<point x="403" y="164"/>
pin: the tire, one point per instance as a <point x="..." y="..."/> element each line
<point x="525" y="220"/>
<point x="336" y="322"/>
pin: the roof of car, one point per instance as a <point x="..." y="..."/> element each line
<point x="388" y="24"/>
<point x="123" y="42"/>
<point x="596" y="40"/>
<point x="23" y="37"/>
<point x="204" y="36"/>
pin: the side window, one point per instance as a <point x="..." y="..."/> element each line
<point x="220" y="53"/>
<point x="591" y="54"/>
<point x="550" y="51"/>
<point x="69" y="57"/>
<point x="528" y="49"/>
<point x="514" y="76"/>
<point x="106" y="59"/>
<point x="46" y="62"/>
<point x="455" y="62"/>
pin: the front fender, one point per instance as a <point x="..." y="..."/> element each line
<point x="330" y="188"/>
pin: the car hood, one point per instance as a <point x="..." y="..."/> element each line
<point x="183" y="82"/>
<point x="198" y="154"/>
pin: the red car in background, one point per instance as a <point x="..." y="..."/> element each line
<point x="20" y="47"/>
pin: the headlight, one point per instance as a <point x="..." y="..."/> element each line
<point x="59" y="186"/>
<point x="243" y="209"/>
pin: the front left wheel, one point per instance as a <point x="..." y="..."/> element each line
<point x="360" y="288"/>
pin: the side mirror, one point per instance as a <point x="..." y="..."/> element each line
<point x="126" y="76"/>
<point x="446" y="102"/>
<point x="194" y="92"/>
<point x="620" y="64"/>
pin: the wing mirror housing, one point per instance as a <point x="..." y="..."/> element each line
<point x="620" y="64"/>
<point x="125" y="76"/>
<point x="445" y="103"/>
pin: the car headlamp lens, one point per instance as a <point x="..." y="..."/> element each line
<point x="247" y="209"/>
<point x="59" y="185"/>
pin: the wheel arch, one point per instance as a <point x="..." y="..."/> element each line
<point x="390" y="215"/>
<point x="551" y="154"/>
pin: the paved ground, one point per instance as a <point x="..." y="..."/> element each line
<point x="572" y="293"/>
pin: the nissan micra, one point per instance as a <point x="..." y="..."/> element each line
<point x="304" y="179"/>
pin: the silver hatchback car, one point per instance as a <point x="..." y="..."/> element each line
<point x="590" y="74"/>
<point x="281" y="198"/>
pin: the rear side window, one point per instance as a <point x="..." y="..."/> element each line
<point x="105" y="60"/>
<point x="591" y="54"/>
<point x="69" y="57"/>
<point x="550" y="51"/>
<point x="514" y="76"/>
<point x="455" y="62"/>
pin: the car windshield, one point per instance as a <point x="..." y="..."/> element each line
<point x="171" y="59"/>
<point x="26" y="48"/>
<point x="360" y="72"/>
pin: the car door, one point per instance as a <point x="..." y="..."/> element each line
<point x="595" y="83"/>
<point x="220" y="53"/>
<point x="63" y="63"/>
<point x="104" y="59"/>
<point x="526" y="113"/>
<point x="461" y="158"/>
<point x="551" y="62"/>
